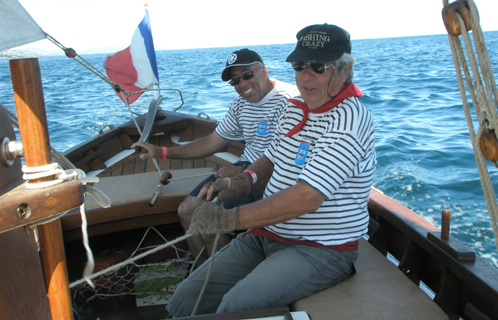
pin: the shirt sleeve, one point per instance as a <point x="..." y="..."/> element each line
<point x="229" y="128"/>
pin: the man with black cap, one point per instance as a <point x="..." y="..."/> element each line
<point x="252" y="117"/>
<point x="303" y="235"/>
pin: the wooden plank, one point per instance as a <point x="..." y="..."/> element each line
<point x="140" y="165"/>
<point x="88" y="156"/>
<point x="188" y="134"/>
<point x="129" y="167"/>
<point x="95" y="163"/>
<point x="218" y="161"/>
<point x="452" y="246"/>
<point x="38" y="204"/>
<point x="199" y="163"/>
<point x="188" y="164"/>
<point x="126" y="141"/>
<point x="175" y="164"/>
<point x="110" y="148"/>
<point x="150" y="166"/>
<point x="120" y="163"/>
<point x="116" y="172"/>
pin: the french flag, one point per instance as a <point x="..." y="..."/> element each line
<point x="135" y="68"/>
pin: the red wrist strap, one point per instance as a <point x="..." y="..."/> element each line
<point x="165" y="153"/>
<point x="253" y="176"/>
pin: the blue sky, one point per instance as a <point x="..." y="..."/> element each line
<point x="201" y="24"/>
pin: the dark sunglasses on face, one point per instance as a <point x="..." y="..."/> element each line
<point x="246" y="76"/>
<point x="316" y="66"/>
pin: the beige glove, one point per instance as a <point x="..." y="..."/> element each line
<point x="235" y="187"/>
<point x="210" y="218"/>
<point x="196" y="202"/>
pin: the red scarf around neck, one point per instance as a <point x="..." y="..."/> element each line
<point x="349" y="90"/>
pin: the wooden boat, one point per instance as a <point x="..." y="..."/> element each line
<point x="408" y="269"/>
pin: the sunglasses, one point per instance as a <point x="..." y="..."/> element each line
<point x="318" y="67"/>
<point x="246" y="76"/>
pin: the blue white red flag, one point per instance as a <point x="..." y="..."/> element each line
<point x="135" y="68"/>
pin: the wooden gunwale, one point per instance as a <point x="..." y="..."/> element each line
<point x="459" y="286"/>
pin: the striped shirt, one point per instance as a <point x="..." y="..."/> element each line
<point x="334" y="153"/>
<point x="255" y="123"/>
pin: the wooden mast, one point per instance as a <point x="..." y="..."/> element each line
<point x="30" y="106"/>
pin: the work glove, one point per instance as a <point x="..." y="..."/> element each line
<point x="210" y="218"/>
<point x="227" y="188"/>
<point x="196" y="202"/>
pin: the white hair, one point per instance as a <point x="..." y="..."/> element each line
<point x="344" y="61"/>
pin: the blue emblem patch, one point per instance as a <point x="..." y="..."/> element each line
<point x="302" y="153"/>
<point x="262" y="127"/>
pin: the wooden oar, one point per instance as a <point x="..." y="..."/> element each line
<point x="30" y="106"/>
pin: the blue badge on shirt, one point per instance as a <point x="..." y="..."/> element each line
<point x="262" y="127"/>
<point x="302" y="153"/>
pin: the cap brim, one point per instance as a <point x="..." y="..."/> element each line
<point x="225" y="74"/>
<point x="313" y="55"/>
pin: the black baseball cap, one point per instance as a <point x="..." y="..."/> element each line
<point x="321" y="42"/>
<point x="242" y="57"/>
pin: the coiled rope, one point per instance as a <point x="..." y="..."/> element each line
<point x="484" y="97"/>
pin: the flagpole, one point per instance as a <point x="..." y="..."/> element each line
<point x="156" y="92"/>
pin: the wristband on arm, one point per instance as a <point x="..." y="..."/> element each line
<point x="164" y="153"/>
<point x="253" y="176"/>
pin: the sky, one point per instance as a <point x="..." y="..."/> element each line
<point x="178" y="24"/>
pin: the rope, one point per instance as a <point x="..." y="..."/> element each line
<point x="484" y="98"/>
<point x="54" y="169"/>
<point x="201" y="294"/>
<point x="72" y="54"/>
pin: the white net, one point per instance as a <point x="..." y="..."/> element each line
<point x="150" y="283"/>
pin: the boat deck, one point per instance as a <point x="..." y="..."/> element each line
<point x="110" y="157"/>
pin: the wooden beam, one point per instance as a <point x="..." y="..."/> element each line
<point x="30" y="106"/>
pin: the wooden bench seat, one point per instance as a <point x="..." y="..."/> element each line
<point x="130" y="197"/>
<point x="378" y="290"/>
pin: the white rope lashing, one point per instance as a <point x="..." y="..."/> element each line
<point x="54" y="169"/>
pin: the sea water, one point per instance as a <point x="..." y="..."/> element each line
<point x="425" y="157"/>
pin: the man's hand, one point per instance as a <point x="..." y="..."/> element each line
<point x="227" y="188"/>
<point x="228" y="171"/>
<point x="210" y="218"/>
<point x="152" y="150"/>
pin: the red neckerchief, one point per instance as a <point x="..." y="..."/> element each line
<point x="349" y="90"/>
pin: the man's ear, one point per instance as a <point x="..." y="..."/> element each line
<point x="345" y="71"/>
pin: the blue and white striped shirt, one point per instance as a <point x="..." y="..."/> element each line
<point x="256" y="122"/>
<point x="335" y="154"/>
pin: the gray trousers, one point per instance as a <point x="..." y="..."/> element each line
<point x="253" y="273"/>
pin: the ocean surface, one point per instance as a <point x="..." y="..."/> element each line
<point x="425" y="157"/>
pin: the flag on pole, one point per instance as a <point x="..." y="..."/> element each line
<point x="135" y="68"/>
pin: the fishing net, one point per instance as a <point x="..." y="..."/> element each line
<point x="150" y="283"/>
